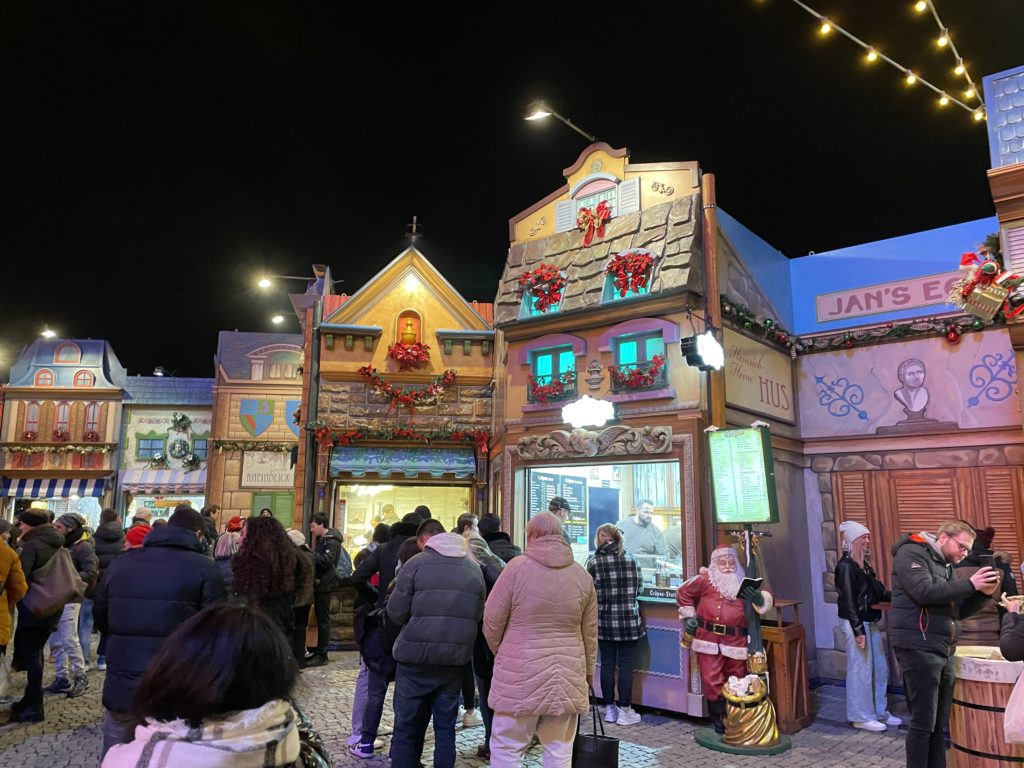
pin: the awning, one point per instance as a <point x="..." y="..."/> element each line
<point x="163" y="480"/>
<point x="411" y="462"/>
<point x="50" y="487"/>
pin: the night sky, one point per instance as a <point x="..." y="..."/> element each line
<point x="157" y="156"/>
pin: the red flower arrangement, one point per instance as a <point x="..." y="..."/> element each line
<point x="324" y="437"/>
<point x="630" y="271"/>
<point x="481" y="437"/>
<point x="91" y="437"/>
<point x="592" y="221"/>
<point x="639" y="377"/>
<point x="407" y="398"/>
<point x="28" y="436"/>
<point x="61" y="435"/>
<point x="409" y="356"/>
<point x="553" y="390"/>
<point x="544" y="284"/>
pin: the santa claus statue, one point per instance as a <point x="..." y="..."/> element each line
<point x="713" y="612"/>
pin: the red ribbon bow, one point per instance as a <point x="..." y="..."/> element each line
<point x="591" y="221"/>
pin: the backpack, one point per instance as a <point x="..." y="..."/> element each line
<point x="343" y="567"/>
<point x="54" y="585"/>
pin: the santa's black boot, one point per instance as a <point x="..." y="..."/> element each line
<point x="717" y="708"/>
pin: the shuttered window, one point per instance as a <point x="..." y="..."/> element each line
<point x="281" y="504"/>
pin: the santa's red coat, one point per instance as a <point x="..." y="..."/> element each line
<point x="710" y="605"/>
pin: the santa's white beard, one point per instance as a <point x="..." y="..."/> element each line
<point x="726" y="583"/>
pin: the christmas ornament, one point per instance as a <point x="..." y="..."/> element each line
<point x="953" y="335"/>
<point x="408" y="356"/>
<point x="630" y="270"/>
<point x="591" y="221"/>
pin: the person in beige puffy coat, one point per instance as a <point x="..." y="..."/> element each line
<point x="541" y="623"/>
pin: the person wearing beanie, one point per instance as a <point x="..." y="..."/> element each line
<point x="867" y="665"/>
<point x="39" y="542"/>
<point x="149" y="609"/>
<point x="140" y="528"/>
<point x="499" y="541"/>
<point x="65" y="641"/>
<point x="235" y="524"/>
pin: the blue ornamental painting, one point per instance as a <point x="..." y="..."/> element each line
<point x="911" y="387"/>
<point x="256" y="416"/>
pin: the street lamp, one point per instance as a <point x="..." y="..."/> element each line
<point x="277" y="319"/>
<point x="538" y="110"/>
<point x="47" y="333"/>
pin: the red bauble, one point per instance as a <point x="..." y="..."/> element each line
<point x="953" y="335"/>
<point x="848" y="344"/>
<point x="889" y="326"/>
<point x="781" y="338"/>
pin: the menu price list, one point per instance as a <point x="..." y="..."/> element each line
<point x="740" y="476"/>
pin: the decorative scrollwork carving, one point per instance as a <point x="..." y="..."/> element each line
<point x="613" y="441"/>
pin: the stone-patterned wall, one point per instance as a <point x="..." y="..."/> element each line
<point x="350" y="404"/>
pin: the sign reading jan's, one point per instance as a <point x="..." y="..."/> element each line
<point x="911" y="293"/>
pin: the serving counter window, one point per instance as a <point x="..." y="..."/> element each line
<point x="642" y="499"/>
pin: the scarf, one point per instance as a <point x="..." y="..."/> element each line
<point x="252" y="738"/>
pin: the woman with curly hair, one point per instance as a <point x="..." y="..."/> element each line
<point x="266" y="570"/>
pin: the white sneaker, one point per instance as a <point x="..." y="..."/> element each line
<point x="354" y="739"/>
<point x="870" y="725"/>
<point x="894" y="721"/>
<point x="471" y="718"/>
<point x="628" y="716"/>
<point x="611" y="713"/>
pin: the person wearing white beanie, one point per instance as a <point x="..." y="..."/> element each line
<point x="867" y="665"/>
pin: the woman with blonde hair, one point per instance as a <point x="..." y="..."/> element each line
<point x="617" y="580"/>
<point x="544" y="642"/>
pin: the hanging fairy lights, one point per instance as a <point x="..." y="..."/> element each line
<point x="873" y="55"/>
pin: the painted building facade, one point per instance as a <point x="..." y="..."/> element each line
<point x="61" y="427"/>
<point x="165" y="444"/>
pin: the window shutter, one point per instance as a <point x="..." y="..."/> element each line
<point x="628" y="197"/>
<point x="565" y="215"/>
<point x="1001" y="489"/>
<point x="284" y="508"/>
<point x="1015" y="248"/>
<point x="924" y="500"/>
<point x="262" y="501"/>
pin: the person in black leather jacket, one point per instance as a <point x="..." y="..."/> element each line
<point x="867" y="665"/>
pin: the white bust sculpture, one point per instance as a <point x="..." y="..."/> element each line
<point x="913" y="395"/>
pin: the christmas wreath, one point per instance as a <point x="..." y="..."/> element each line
<point x="61" y="435"/>
<point x="28" y="436"/>
<point x="591" y="221"/>
<point x="630" y="271"/>
<point x="408" y="398"/>
<point x="180" y="421"/>
<point x="91" y="436"/>
<point x="409" y="356"/>
<point x="639" y="377"/>
<point x="544" y="284"/>
<point x="554" y="389"/>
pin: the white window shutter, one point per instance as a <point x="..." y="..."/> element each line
<point x="1015" y="249"/>
<point x="628" y="197"/>
<point x="565" y="215"/>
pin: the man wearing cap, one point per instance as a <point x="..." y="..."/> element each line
<point x="559" y="507"/>
<point x="64" y="642"/>
<point x="144" y="597"/>
<point x="713" y="610"/>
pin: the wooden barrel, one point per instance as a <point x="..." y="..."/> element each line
<point x="983" y="686"/>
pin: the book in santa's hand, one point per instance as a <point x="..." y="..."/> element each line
<point x="754" y="584"/>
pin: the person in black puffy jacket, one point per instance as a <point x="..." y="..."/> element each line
<point x="145" y="595"/>
<point x="499" y="542"/>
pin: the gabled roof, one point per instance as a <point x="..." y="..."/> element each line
<point x="234" y="348"/>
<point x="168" y="390"/>
<point x="410" y="261"/>
<point x="97" y="357"/>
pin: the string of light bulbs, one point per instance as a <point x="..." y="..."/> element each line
<point x="945" y="40"/>
<point x="909" y="76"/>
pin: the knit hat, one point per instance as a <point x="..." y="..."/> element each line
<point x="852" y="531"/>
<point x="298" y="539"/>
<point x="489" y="524"/>
<point x="71" y="520"/>
<point x="34" y="517"/>
<point x="235" y="524"/>
<point x="135" y="535"/>
<point x="143" y="514"/>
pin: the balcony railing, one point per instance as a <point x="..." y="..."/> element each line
<point x="639" y="377"/>
<point x="553" y="388"/>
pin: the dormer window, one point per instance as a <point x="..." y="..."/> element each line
<point x="84" y="379"/>
<point x="44" y="378"/>
<point x="67" y="354"/>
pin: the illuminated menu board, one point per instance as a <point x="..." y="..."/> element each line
<point x="743" y="476"/>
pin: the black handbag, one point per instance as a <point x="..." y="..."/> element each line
<point x="313" y="753"/>
<point x="590" y="750"/>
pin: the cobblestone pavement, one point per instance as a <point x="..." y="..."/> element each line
<point x="71" y="737"/>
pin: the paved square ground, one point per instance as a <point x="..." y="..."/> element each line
<point x="71" y="736"/>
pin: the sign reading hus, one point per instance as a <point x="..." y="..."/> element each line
<point x="758" y="379"/>
<point x="886" y="297"/>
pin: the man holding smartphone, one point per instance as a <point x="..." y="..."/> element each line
<point x="927" y="603"/>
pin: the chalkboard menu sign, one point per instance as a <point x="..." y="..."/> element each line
<point x="544" y="486"/>
<point x="743" y="476"/>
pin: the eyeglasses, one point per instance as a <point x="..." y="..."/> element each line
<point x="964" y="548"/>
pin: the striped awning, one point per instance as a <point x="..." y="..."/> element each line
<point x="50" y="487"/>
<point x="163" y="480"/>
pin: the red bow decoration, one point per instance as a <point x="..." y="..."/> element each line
<point x="591" y="221"/>
<point x="324" y="438"/>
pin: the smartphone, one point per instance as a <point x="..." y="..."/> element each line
<point x="987" y="561"/>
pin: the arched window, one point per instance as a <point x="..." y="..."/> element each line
<point x="408" y="327"/>
<point x="84" y="379"/>
<point x="63" y="417"/>
<point x="32" y="418"/>
<point x="67" y="353"/>
<point x="44" y="378"/>
<point x="92" y="417"/>
<point x="283" y="365"/>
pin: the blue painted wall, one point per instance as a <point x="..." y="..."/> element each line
<point x="769" y="265"/>
<point x="923" y="253"/>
